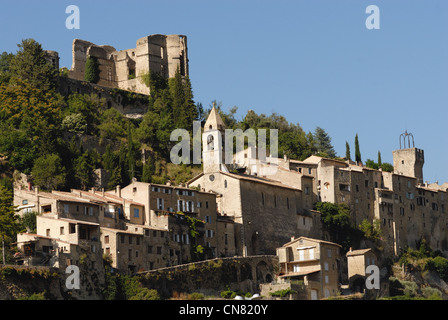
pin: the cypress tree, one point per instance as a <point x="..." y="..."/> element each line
<point x="92" y="72"/>
<point x="357" y="151"/>
<point x="347" y="151"/>
<point x="380" y="163"/>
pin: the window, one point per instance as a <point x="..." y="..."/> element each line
<point x="66" y="208"/>
<point x="262" y="198"/>
<point x="159" y="250"/>
<point x="72" y="228"/>
<point x="136" y="213"/>
<point x="130" y="239"/>
<point x="190" y="206"/>
<point x="329" y="253"/>
<point x="311" y="254"/>
<point x="61" y="230"/>
<point x="208" y="219"/>
<point x="24" y="202"/>
<point x="91" y="211"/>
<point x="149" y="249"/>
<point x="326" y="266"/>
<point x="301" y="255"/>
<point x="296" y="268"/>
<point x="160" y="204"/>
<point x="326" y="279"/>
<point x="122" y="238"/>
<point x="225" y="183"/>
<point x="275" y="201"/>
<point x="106" y="239"/>
<point x="48" y="232"/>
<point x="287" y="203"/>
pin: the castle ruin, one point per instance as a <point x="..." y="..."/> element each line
<point x="125" y="69"/>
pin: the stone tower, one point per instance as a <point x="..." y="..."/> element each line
<point x="213" y="142"/>
<point x="408" y="160"/>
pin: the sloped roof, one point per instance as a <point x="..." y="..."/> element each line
<point x="214" y="120"/>
<point x="312" y="240"/>
<point x="358" y="252"/>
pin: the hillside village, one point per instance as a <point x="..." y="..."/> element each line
<point x="236" y="211"/>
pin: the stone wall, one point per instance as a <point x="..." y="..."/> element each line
<point x="213" y="276"/>
<point x="132" y="105"/>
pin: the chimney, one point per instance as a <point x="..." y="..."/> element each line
<point x="293" y="238"/>
<point x="92" y="190"/>
<point x="351" y="249"/>
<point x="102" y="192"/>
<point x="118" y="191"/>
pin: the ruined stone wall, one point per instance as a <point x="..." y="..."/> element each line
<point x="213" y="276"/>
<point x="130" y="104"/>
<point x="125" y="69"/>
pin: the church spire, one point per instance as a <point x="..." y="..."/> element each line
<point x="214" y="121"/>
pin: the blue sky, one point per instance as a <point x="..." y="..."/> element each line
<point x="313" y="61"/>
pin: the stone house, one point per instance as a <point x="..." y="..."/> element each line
<point x="174" y="209"/>
<point x="107" y="222"/>
<point x="314" y="262"/>
<point x="357" y="262"/>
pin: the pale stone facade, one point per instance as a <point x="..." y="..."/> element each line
<point x="357" y="262"/>
<point x="313" y="261"/>
<point x="266" y="212"/>
<point x="135" y="236"/>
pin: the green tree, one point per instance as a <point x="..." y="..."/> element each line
<point x="336" y="220"/>
<point x="30" y="65"/>
<point x="29" y="221"/>
<point x="92" y="71"/>
<point x="83" y="168"/>
<point x="387" y="167"/>
<point x="371" y="164"/>
<point x="75" y="123"/>
<point x="5" y="62"/>
<point x="323" y="143"/>
<point x="108" y="159"/>
<point x="48" y="172"/>
<point x="9" y="223"/>
<point x="357" y="150"/>
<point x="347" y="151"/>
<point x="148" y="171"/>
<point x="371" y="230"/>
<point x="380" y="163"/>
<point x="112" y="124"/>
<point x="89" y="106"/>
